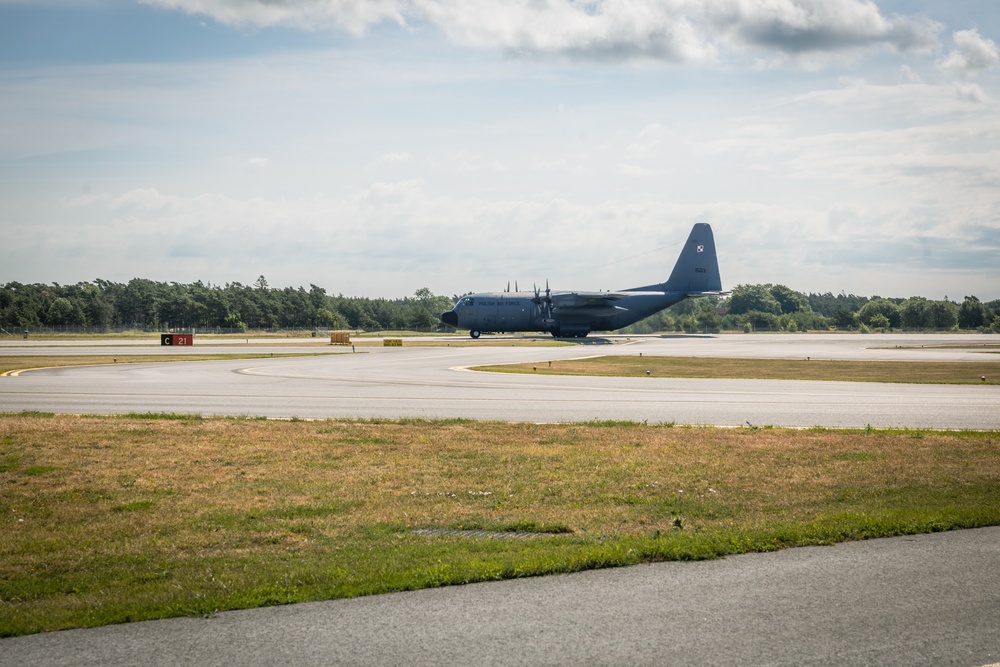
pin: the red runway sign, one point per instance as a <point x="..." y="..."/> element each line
<point x="177" y="339"/>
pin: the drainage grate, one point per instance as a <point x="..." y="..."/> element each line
<point x="440" y="532"/>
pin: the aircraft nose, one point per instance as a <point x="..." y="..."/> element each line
<point x="450" y="318"/>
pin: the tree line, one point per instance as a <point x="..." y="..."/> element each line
<point x="768" y="307"/>
<point x="147" y="305"/>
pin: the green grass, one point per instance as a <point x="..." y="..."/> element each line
<point x="920" y="372"/>
<point x="114" y="519"/>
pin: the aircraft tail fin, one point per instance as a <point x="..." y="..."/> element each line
<point x="697" y="269"/>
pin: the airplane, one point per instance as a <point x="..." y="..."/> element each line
<point x="576" y="314"/>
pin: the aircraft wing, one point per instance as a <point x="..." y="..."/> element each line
<point x="571" y="300"/>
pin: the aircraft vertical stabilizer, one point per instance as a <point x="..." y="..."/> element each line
<point x="697" y="268"/>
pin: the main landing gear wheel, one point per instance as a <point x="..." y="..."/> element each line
<point x="474" y="333"/>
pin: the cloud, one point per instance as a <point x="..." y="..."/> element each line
<point x="802" y="26"/>
<point x="377" y="239"/>
<point x="972" y="54"/>
<point x="929" y="142"/>
<point x="394" y="158"/>
<point x="257" y="162"/>
<point x="971" y="93"/>
<point x="599" y="30"/>
<point x="610" y="30"/>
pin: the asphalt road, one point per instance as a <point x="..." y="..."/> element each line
<point x="920" y="600"/>
<point x="430" y="383"/>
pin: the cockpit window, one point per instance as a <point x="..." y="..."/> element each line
<point x="467" y="301"/>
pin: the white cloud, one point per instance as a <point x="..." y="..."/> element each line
<point x="907" y="101"/>
<point x="666" y="30"/>
<point x="911" y="142"/>
<point x="376" y="240"/>
<point x="970" y="92"/>
<point x="972" y="54"/>
<point x="612" y="30"/>
<point x="257" y="162"/>
<point x="394" y="158"/>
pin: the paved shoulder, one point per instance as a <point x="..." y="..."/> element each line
<point x="920" y="600"/>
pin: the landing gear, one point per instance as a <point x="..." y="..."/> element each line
<point x="569" y="334"/>
<point x="474" y="333"/>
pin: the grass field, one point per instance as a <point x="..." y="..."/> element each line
<point x="113" y="519"/>
<point x="768" y="369"/>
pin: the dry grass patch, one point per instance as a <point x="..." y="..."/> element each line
<point x="108" y="519"/>
<point x="921" y="372"/>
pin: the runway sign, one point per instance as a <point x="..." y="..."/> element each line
<point x="177" y="339"/>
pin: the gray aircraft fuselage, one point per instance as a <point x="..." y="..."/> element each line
<point x="504" y="312"/>
<point x="575" y="314"/>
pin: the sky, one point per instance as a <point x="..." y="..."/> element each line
<point x="375" y="147"/>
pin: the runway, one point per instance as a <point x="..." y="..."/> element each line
<point x="433" y="382"/>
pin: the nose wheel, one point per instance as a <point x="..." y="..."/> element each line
<point x="474" y="333"/>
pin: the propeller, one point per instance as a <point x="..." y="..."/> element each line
<point x="547" y="300"/>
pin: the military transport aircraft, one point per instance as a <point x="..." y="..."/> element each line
<point x="575" y="314"/>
